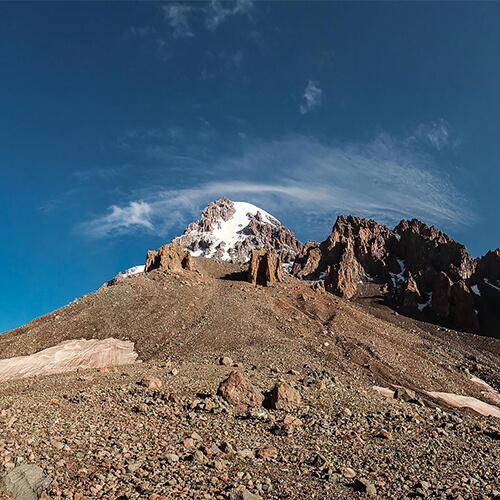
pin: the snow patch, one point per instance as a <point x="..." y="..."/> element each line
<point x="131" y="271"/>
<point x="68" y="356"/>
<point x="421" y="307"/>
<point x="475" y="289"/>
<point x="398" y="278"/>
<point x="487" y="281"/>
<point x="467" y="402"/>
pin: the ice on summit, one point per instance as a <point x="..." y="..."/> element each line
<point x="227" y="233"/>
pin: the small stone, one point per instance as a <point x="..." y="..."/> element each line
<point x="199" y="457"/>
<point x="196" y="436"/>
<point x="366" y="486"/>
<point x="150" y="382"/>
<point x="267" y="452"/>
<point x="171" y="457"/>
<point x="227" y="448"/>
<point x="291" y="420"/>
<point x="318" y="461"/>
<point x="226" y="361"/>
<point x="318" y="384"/>
<point x="246" y="453"/>
<point x="188" y="443"/>
<point x="347" y="472"/>
<point x="142" y="408"/>
<point x="240" y="494"/>
<point x="174" y="371"/>
<point x="282" y="430"/>
<point x="384" y="434"/>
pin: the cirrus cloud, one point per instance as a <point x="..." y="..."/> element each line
<point x="306" y="184"/>
<point x="312" y="97"/>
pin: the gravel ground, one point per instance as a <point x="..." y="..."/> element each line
<point x="100" y="434"/>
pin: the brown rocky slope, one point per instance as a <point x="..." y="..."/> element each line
<point x="100" y="435"/>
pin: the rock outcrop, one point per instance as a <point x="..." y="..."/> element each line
<point x="421" y="267"/>
<point x="170" y="257"/>
<point x="265" y="268"/>
<point x="230" y="230"/>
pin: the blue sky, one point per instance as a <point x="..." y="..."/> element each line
<point x="120" y="121"/>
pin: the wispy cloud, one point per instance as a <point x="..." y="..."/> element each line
<point x="306" y="183"/>
<point x="312" y="97"/>
<point x="218" y="12"/>
<point x="177" y="16"/>
<point x="438" y="134"/>
<point x="181" y="17"/>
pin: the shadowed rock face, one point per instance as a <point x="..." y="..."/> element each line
<point x="422" y="268"/>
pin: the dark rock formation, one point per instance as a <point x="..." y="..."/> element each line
<point x="421" y="267"/>
<point x="441" y="294"/>
<point x="169" y="257"/>
<point x="462" y="308"/>
<point x="265" y="268"/>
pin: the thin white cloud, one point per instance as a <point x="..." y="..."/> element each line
<point x="218" y="11"/>
<point x="308" y="184"/>
<point x="436" y="133"/>
<point x="180" y="16"/>
<point x="137" y="214"/>
<point x="177" y="16"/>
<point x="312" y="97"/>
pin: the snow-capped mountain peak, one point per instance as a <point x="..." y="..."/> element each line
<point x="230" y="230"/>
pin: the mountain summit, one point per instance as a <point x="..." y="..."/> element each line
<point x="230" y="230"/>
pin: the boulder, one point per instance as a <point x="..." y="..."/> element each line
<point x="284" y="397"/>
<point x="237" y="391"/>
<point x="265" y="268"/>
<point x="170" y="257"/>
<point x="26" y="482"/>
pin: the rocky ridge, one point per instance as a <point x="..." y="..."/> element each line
<point x="419" y="267"/>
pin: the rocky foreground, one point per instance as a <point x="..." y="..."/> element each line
<point x="296" y="415"/>
<point x="162" y="431"/>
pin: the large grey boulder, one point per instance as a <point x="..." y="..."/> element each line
<point x="26" y="482"/>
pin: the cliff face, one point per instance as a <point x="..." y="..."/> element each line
<point x="421" y="267"/>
